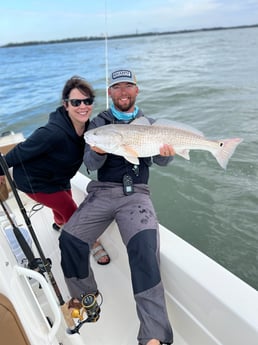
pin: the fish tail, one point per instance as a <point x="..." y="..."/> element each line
<point x="226" y="150"/>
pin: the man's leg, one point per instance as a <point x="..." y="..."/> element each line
<point x="139" y="230"/>
<point x="87" y="223"/>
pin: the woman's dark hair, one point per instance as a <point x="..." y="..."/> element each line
<point x="79" y="83"/>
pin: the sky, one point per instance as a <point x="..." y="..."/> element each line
<point x="37" y="20"/>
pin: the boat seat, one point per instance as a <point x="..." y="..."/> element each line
<point x="11" y="329"/>
<point x="4" y="151"/>
<point x="6" y="147"/>
<point x="4" y="193"/>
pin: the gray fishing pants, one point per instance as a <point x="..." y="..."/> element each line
<point x="138" y="226"/>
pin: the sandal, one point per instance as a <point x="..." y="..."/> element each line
<point x="98" y="253"/>
<point x="56" y="227"/>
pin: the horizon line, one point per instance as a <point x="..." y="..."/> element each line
<point x="151" y="33"/>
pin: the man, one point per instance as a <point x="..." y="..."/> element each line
<point x="139" y="232"/>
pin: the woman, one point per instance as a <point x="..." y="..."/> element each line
<point x="45" y="162"/>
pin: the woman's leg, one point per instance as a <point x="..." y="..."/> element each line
<point x="61" y="203"/>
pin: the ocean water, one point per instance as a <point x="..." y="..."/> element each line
<point x="208" y="80"/>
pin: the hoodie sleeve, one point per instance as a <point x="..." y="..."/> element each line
<point x="40" y="142"/>
<point x="161" y="160"/>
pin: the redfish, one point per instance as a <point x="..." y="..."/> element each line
<point x="142" y="139"/>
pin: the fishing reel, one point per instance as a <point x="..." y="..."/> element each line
<point x="37" y="265"/>
<point x="91" y="307"/>
<point x="90" y="304"/>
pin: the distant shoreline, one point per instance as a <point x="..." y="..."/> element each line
<point x="98" y="38"/>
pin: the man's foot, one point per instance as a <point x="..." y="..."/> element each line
<point x="89" y="305"/>
<point x="99" y="254"/>
<point x="74" y="303"/>
<point x="86" y="310"/>
<point x="153" y="342"/>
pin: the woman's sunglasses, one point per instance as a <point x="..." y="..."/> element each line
<point x="77" y="102"/>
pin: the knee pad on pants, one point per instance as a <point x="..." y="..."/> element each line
<point x="74" y="256"/>
<point x="143" y="260"/>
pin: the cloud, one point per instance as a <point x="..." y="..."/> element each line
<point x="193" y="8"/>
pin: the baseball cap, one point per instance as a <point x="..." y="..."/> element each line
<point x="121" y="76"/>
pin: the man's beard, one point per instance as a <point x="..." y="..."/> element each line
<point x="124" y="107"/>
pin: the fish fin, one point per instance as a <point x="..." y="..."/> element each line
<point x="130" y="151"/>
<point x="143" y="121"/>
<point x="179" y="125"/>
<point x="226" y="150"/>
<point x="130" y="154"/>
<point x="133" y="160"/>
<point x="183" y="153"/>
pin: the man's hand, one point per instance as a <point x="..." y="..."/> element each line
<point x="167" y="150"/>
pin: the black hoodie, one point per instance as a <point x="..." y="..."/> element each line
<point x="47" y="160"/>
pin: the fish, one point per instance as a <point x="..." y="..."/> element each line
<point x="142" y="139"/>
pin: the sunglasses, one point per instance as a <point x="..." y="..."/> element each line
<point x="77" y="102"/>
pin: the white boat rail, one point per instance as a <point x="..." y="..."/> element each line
<point x="22" y="271"/>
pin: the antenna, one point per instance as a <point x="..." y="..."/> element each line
<point x="106" y="54"/>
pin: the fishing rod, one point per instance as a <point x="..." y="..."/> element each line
<point x="33" y="262"/>
<point x="19" y="236"/>
<point x="106" y="54"/>
<point x="46" y="262"/>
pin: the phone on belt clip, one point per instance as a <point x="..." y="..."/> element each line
<point x="128" y="187"/>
